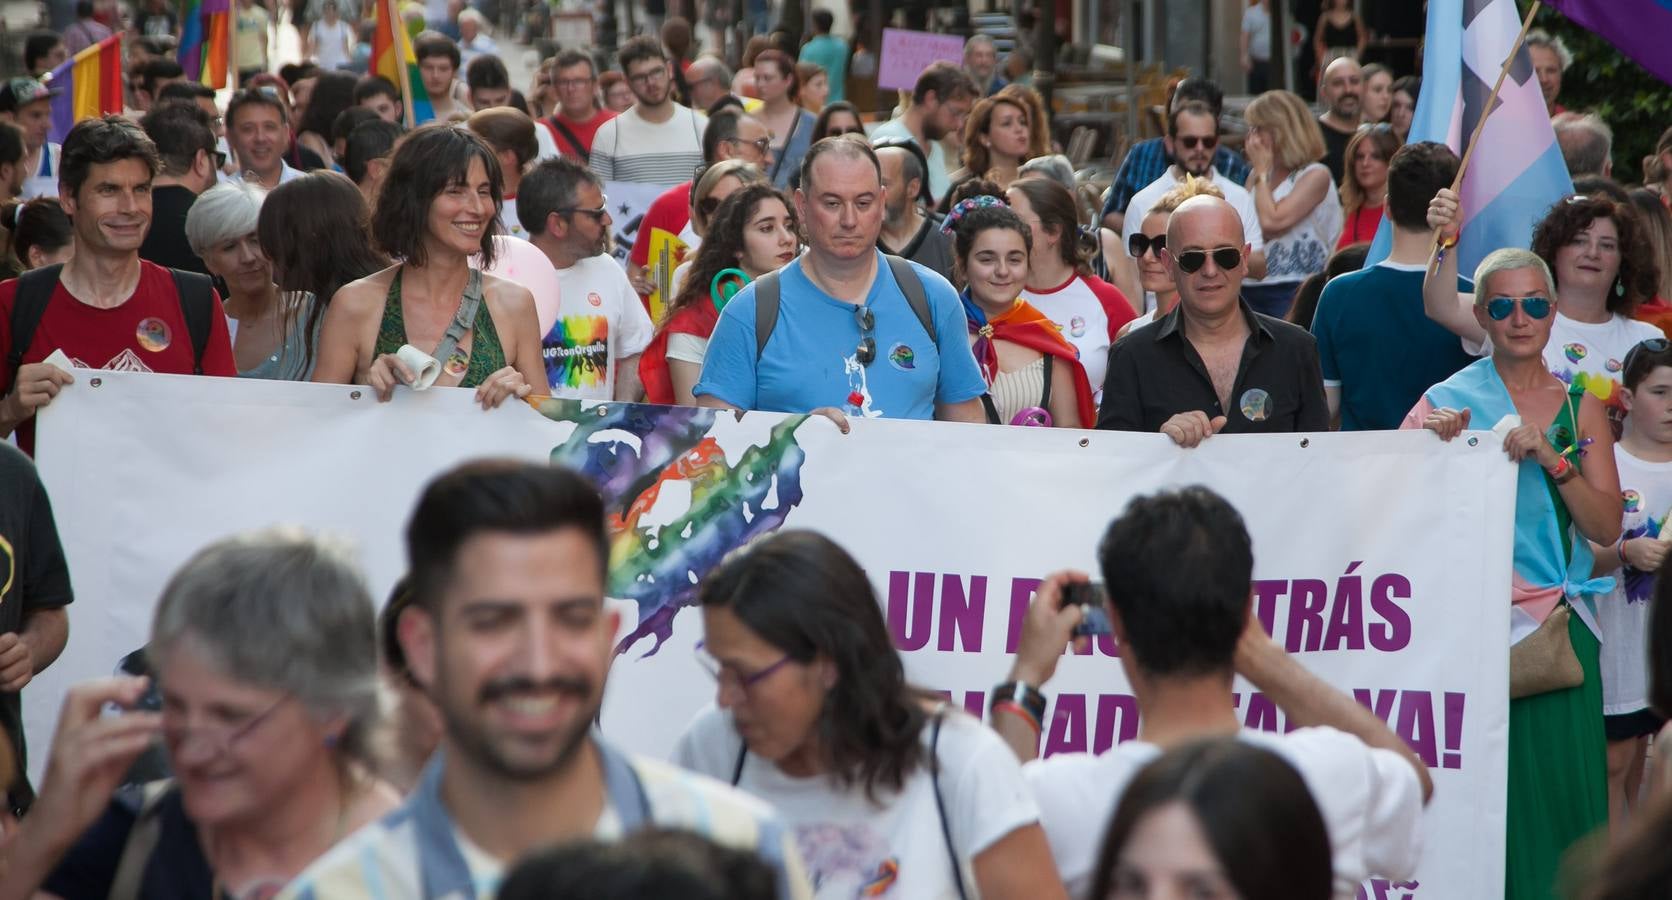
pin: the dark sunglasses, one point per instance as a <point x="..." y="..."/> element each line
<point x="1652" y="345"/>
<point x="1191" y="142"/>
<point x="866" y="319"/>
<point x="1501" y="308"/>
<point x="596" y="214"/>
<point x="1139" y="244"/>
<point x="1191" y="261"/>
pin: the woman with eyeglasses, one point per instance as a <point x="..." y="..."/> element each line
<point x="791" y="126"/>
<point x="838" y="118"/>
<point x="1604" y="269"/>
<point x="1567" y="498"/>
<point x="1161" y="293"/>
<point x="265" y="700"/>
<point x="890" y="790"/>
<point x="1088" y="310"/>
<point x="754" y="231"/>
<point x="1364" y="190"/>
<point x="439" y="205"/>
<point x="1294" y="196"/>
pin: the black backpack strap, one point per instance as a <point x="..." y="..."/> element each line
<point x="940" y="803"/>
<point x="737" y="769"/>
<point x="34" y="292"/>
<point x="1050" y="364"/>
<point x="766" y="310"/>
<point x="992" y="409"/>
<point x="912" y="286"/>
<point x="197" y="305"/>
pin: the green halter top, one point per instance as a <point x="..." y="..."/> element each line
<point x="487" y="356"/>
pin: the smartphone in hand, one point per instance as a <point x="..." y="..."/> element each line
<point x="1093" y="600"/>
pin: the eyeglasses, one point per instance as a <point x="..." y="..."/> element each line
<point x="574" y="82"/>
<point x="660" y="73"/>
<point x="600" y="212"/>
<point x="220" y="738"/>
<point x="1501" y="308"/>
<point x="1652" y="345"/>
<point x="1191" y="141"/>
<point x="1191" y="261"/>
<point x="866" y="319"/>
<point x="727" y="675"/>
<point x="1140" y="244"/>
<point x="762" y="145"/>
<point x="838" y="132"/>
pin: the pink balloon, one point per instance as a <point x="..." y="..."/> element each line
<point x="517" y="260"/>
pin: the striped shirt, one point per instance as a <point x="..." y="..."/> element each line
<point x="417" y="851"/>
<point x="1148" y="160"/>
<point x="627" y="148"/>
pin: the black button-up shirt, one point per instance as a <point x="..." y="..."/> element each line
<point x="1155" y="374"/>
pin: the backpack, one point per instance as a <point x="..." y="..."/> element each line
<point x="769" y="294"/>
<point x="34" y="292"/>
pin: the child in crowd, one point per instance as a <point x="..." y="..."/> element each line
<point x="1644" y="458"/>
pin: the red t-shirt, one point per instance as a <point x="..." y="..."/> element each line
<point x="670" y="212"/>
<point x="147" y="333"/>
<point x="584" y="131"/>
<point x="1360" y="226"/>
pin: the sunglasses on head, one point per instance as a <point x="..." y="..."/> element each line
<point x="1191" y="141"/>
<point x="1652" y="345"/>
<point x="1140" y="243"/>
<point x="1191" y="261"/>
<point x="1501" y="308"/>
<point x="866" y="319"/>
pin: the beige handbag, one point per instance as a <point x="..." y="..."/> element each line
<point x="1544" y="661"/>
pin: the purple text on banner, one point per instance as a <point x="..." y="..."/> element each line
<point x="905" y="54"/>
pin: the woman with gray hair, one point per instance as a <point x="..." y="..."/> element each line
<point x="265" y="649"/>
<point x="221" y="228"/>
<point x="1567" y="500"/>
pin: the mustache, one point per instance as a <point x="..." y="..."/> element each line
<point x="575" y="687"/>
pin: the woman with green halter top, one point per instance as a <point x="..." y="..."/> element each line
<point x="438" y="207"/>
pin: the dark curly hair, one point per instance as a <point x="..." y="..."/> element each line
<point x="806" y="596"/>
<point x="1639" y="272"/>
<point x="720" y="249"/>
<point x="425" y="163"/>
<point x="982" y="218"/>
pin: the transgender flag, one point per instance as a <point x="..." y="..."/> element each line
<point x="86" y="85"/>
<point x="1517" y="170"/>
<point x="1638" y="28"/>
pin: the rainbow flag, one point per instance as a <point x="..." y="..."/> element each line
<point x="206" y="40"/>
<point x="392" y="58"/>
<point x="86" y="85"/>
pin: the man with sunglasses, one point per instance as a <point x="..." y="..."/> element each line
<point x="1149" y="159"/>
<point x="1378" y="349"/>
<point x="592" y="350"/>
<point x="656" y="141"/>
<point x="1212" y="364"/>
<point x="185" y="139"/>
<point x="1192" y="140"/>
<point x="849" y="330"/>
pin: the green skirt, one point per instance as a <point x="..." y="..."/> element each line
<point x="1558" y="775"/>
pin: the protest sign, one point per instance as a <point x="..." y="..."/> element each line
<point x="905" y="54"/>
<point x="1382" y="559"/>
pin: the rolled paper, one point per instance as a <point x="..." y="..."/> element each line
<point x="425" y="368"/>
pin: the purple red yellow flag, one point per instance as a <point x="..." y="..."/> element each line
<point x="86" y="85"/>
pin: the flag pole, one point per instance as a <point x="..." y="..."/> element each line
<point x="230" y="76"/>
<point x="1439" y="251"/>
<point x="398" y="39"/>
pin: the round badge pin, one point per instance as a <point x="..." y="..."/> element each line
<point x="153" y="334"/>
<point x="1256" y="405"/>
<point x="456" y="364"/>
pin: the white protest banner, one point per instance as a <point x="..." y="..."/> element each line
<point x="1382" y="560"/>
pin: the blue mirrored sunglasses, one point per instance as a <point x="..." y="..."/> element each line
<point x="1500" y="308"/>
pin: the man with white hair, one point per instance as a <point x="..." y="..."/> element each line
<point x="981" y="62"/>
<point x="1212" y="364"/>
<point x="1587" y="144"/>
<point x="1550" y="58"/>
<point x="473" y="36"/>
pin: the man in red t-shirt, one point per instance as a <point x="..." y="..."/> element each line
<point x="109" y="309"/>
<point x="578" y="114"/>
<point x="730" y="135"/>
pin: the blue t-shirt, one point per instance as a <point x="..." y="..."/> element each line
<point x="1376" y="344"/>
<point x="811" y="359"/>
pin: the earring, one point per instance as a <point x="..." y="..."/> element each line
<point x="1619" y="287"/>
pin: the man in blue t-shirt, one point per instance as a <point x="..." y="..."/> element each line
<point x="846" y="337"/>
<point x="1378" y="350"/>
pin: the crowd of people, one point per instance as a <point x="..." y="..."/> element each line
<point x="944" y="264"/>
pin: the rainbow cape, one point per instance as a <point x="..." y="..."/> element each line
<point x="86" y="85"/>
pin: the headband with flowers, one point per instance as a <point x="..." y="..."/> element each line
<point x="981" y="201"/>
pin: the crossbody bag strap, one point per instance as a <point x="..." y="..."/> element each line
<point x="940" y="802"/>
<point x="463" y="320"/>
<point x="142" y="842"/>
<point x="586" y="155"/>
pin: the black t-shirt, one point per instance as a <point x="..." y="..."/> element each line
<point x="176" y="870"/>
<point x="33" y="575"/>
<point x="166" y="244"/>
<point x="1335" y="150"/>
